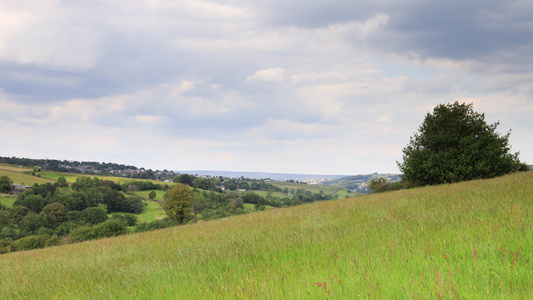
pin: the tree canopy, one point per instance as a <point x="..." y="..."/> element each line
<point x="5" y="184"/>
<point x="178" y="204"/>
<point x="454" y="144"/>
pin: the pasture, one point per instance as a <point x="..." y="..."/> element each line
<point x="72" y="177"/>
<point x="23" y="178"/>
<point x="7" y="201"/>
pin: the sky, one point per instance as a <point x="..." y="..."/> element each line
<point x="283" y="86"/>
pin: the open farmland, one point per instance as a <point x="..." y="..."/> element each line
<point x="7" y="201"/>
<point x="313" y="188"/>
<point x="71" y="177"/>
<point x="12" y="168"/>
<point x="23" y="178"/>
<point x="465" y="240"/>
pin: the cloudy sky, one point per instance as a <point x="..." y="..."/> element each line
<point x="285" y="86"/>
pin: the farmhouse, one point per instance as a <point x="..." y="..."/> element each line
<point x="19" y="188"/>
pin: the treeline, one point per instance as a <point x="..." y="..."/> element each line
<point x="56" y="165"/>
<point x="216" y="197"/>
<point x="220" y="183"/>
<point x="48" y="213"/>
<point x="359" y="183"/>
<point x="210" y="205"/>
<point x="88" y="168"/>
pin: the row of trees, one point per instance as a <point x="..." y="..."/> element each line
<point x="230" y="184"/>
<point x="184" y="204"/>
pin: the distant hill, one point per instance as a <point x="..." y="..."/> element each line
<point x="262" y="175"/>
<point x="358" y="183"/>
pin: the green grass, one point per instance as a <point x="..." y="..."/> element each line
<point x="314" y="188"/>
<point x="274" y="194"/>
<point x="22" y="178"/>
<point x="71" y="177"/>
<point x="250" y="207"/>
<point x="14" y="168"/>
<point x="159" y="194"/>
<point x="7" y="201"/>
<point x="55" y="175"/>
<point x="466" y="240"/>
<point x="152" y="212"/>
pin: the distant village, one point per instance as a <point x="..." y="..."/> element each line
<point x="90" y="168"/>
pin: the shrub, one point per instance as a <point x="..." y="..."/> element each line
<point x="112" y="227"/>
<point x="156" y="224"/>
<point x="81" y="234"/>
<point x="30" y="242"/>
<point x="129" y="219"/>
<point x="94" y="215"/>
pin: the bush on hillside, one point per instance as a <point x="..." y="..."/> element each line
<point x="34" y="242"/>
<point x="109" y="228"/>
<point x="454" y="144"/>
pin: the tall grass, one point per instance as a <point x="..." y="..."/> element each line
<point x="466" y="240"/>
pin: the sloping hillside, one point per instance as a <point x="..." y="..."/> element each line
<point x="21" y="175"/>
<point x="470" y="239"/>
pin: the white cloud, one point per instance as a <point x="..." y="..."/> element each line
<point x="270" y="74"/>
<point x="43" y="34"/>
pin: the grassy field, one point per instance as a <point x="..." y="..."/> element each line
<point x="7" y="201"/>
<point x="21" y="178"/>
<point x="12" y="168"/>
<point x="152" y="212"/>
<point x="71" y="177"/>
<point x="158" y="194"/>
<point x="314" y="188"/>
<point x="466" y="240"/>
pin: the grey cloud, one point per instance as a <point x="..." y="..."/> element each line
<point x="321" y="13"/>
<point x="459" y="29"/>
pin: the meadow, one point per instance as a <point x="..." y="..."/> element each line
<point x="313" y="188"/>
<point x="7" y="201"/>
<point x="464" y="240"/>
<point x="23" y="178"/>
<point x="72" y="177"/>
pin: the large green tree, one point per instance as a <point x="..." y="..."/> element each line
<point x="454" y="143"/>
<point x="184" y="178"/>
<point x="6" y="184"/>
<point x="178" y="204"/>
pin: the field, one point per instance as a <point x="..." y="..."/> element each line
<point x="7" y="201"/>
<point x="158" y="194"/>
<point x="152" y="212"/>
<point x="466" y="240"/>
<point x="13" y="168"/>
<point x="22" y="178"/>
<point x="71" y="177"/>
<point x="313" y="188"/>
